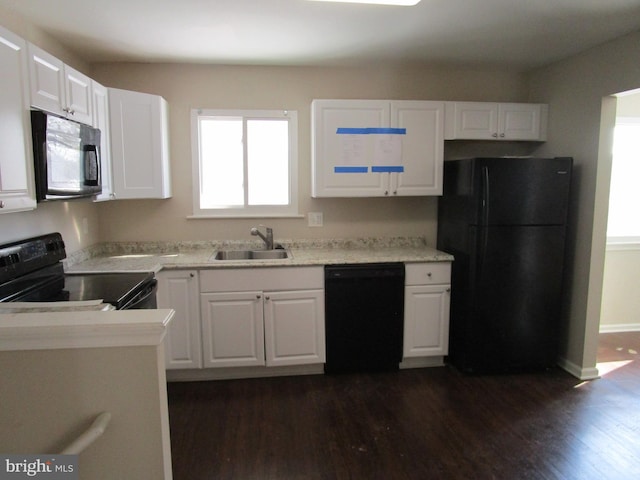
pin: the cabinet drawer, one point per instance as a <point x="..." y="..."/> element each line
<point x="427" y="273"/>
<point x="261" y="279"/>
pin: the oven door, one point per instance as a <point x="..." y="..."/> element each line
<point x="144" y="299"/>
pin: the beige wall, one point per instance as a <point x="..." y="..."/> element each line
<point x="208" y="86"/>
<point x="575" y="88"/>
<point x="620" y="309"/>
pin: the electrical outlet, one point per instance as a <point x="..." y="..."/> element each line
<point x="315" y="219"/>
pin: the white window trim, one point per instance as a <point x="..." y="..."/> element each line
<point x="255" y="211"/>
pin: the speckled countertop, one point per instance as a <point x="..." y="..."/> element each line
<point x="155" y="256"/>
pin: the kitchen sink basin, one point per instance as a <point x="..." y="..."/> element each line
<point x="276" y="254"/>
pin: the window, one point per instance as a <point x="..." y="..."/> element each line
<point x="624" y="197"/>
<point x="245" y="163"/>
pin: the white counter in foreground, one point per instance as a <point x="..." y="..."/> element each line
<point x="85" y="329"/>
<point x="59" y="370"/>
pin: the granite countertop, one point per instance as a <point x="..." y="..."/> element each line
<point x="153" y="257"/>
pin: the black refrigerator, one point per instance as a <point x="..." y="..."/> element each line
<point x="504" y="221"/>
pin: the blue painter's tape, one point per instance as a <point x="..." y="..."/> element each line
<point x="350" y="169"/>
<point x="352" y="131"/>
<point x="388" y="131"/>
<point x="371" y="131"/>
<point x="397" y="169"/>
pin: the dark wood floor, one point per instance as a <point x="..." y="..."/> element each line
<point x="415" y="424"/>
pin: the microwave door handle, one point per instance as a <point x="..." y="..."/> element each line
<point x="92" y="164"/>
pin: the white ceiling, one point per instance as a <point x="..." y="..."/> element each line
<point x="514" y="34"/>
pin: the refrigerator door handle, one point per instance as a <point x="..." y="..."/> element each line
<point x="485" y="195"/>
<point x="484" y="234"/>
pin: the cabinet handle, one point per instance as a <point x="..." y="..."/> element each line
<point x="1" y="203"/>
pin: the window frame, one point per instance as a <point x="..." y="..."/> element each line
<point x="246" y="211"/>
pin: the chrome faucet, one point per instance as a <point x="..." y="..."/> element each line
<point x="268" y="240"/>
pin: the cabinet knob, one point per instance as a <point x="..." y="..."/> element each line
<point x="267" y="298"/>
<point x="1" y="203"/>
<point x="192" y="275"/>
<point x="258" y="297"/>
<point x="429" y="274"/>
<point x="448" y="290"/>
<point x="395" y="192"/>
<point x="495" y="135"/>
<point x="386" y="192"/>
<point x="502" y="135"/>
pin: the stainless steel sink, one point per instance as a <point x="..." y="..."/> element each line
<point x="276" y="254"/>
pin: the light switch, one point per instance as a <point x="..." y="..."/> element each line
<point x="315" y="219"/>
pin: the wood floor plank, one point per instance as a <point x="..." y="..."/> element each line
<point x="413" y="424"/>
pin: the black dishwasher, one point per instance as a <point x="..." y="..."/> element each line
<point x="364" y="310"/>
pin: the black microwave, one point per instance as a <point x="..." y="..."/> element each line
<point x="66" y="157"/>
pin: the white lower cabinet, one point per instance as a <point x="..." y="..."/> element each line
<point x="179" y="290"/>
<point x="426" y="309"/>
<point x="262" y="317"/>
<point x="233" y="329"/>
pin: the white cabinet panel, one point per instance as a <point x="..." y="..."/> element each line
<point x="372" y="148"/>
<point x="294" y="327"/>
<point x="58" y="88"/>
<point x="232" y="329"/>
<point x="495" y="121"/>
<point x="16" y="161"/>
<point x="139" y="145"/>
<point x="178" y="289"/>
<point x="101" y="121"/>
<point x="426" y="328"/>
<point x="338" y="159"/>
<point x="426" y="309"/>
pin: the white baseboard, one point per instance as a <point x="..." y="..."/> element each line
<point x="620" y="327"/>
<point x="578" y="371"/>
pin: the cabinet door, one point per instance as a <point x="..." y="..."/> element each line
<point x="294" y="327"/>
<point x="16" y="161"/>
<point x="79" y="103"/>
<point x="471" y="121"/>
<point x="342" y="161"/>
<point x="47" y="81"/>
<point x="520" y="121"/>
<point x="422" y="147"/>
<point x="179" y="290"/>
<point x="101" y="121"/>
<point x="139" y="145"/>
<point x="426" y="320"/>
<point x="232" y="329"/>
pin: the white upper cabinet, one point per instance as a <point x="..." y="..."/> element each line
<point x="101" y="121"/>
<point x="495" y="121"/>
<point x="16" y="161"/>
<point x="58" y="88"/>
<point x="139" y="145"/>
<point x="374" y="148"/>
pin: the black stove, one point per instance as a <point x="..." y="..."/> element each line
<point x="31" y="271"/>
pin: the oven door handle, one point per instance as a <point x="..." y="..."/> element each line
<point x="141" y="297"/>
